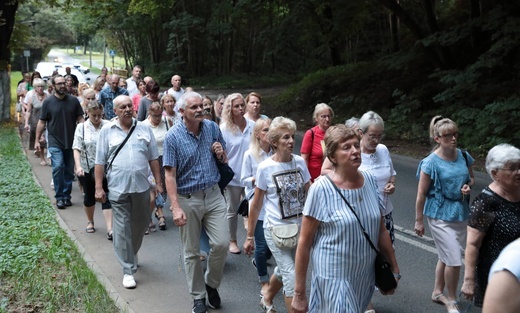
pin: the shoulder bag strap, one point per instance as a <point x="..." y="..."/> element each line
<point x="355" y="214"/>
<point x="85" y="146"/>
<point x="121" y="145"/>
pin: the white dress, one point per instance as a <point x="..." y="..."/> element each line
<point x="342" y="260"/>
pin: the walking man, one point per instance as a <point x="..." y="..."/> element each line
<point x="131" y="82"/>
<point x="127" y="178"/>
<point x="190" y="152"/>
<point x="59" y="114"/>
<point x="176" y="91"/>
<point x="108" y="94"/>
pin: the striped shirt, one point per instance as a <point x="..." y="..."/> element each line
<point x="192" y="156"/>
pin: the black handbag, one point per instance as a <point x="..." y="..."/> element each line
<point x="243" y="207"/>
<point x="226" y="174"/>
<point x="385" y="279"/>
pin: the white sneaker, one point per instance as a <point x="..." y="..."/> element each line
<point x="129" y="281"/>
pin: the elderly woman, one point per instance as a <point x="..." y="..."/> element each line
<point x="236" y="131"/>
<point x="253" y="106"/>
<point x="312" y="144"/>
<point x="494" y="219"/>
<point x="84" y="146"/>
<point x="168" y="103"/>
<point x="159" y="125"/>
<point x="259" y="150"/>
<point x="445" y="180"/>
<point x="34" y="101"/>
<point x="282" y="181"/>
<point x="342" y="257"/>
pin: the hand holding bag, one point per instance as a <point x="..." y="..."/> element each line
<point x="385" y="279"/>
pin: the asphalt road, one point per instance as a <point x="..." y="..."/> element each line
<point x="161" y="283"/>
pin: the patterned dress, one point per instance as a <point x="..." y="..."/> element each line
<point x="343" y="261"/>
<point x="499" y="219"/>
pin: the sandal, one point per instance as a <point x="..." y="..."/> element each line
<point x="109" y="235"/>
<point x="265" y="307"/>
<point x="90" y="227"/>
<point x="152" y="228"/>
<point x="43" y="163"/>
<point x="440" y="299"/>
<point x="452" y="307"/>
<point x="162" y="224"/>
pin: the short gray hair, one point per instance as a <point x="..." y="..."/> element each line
<point x="186" y="96"/>
<point x="371" y="118"/>
<point x="352" y="122"/>
<point x="499" y="155"/>
<point x="277" y="125"/>
<point x="320" y="107"/>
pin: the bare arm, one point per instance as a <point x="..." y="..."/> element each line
<point x="502" y="293"/>
<point x="254" y="210"/>
<point x="77" y="161"/>
<point x="156" y="171"/>
<point x="99" y="174"/>
<point x="327" y="167"/>
<point x="473" y="243"/>
<point x="305" y="157"/>
<point x="308" y="231"/>
<point x="28" y="113"/>
<point x="422" y="191"/>
<point x="39" y="130"/>
<point x="179" y="217"/>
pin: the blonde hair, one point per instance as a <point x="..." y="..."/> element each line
<point x="227" y="117"/>
<point x="320" y="107"/>
<point x="439" y="126"/>
<point x="254" y="144"/>
<point x="275" y="129"/>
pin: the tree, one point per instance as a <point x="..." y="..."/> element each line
<point x="7" y="17"/>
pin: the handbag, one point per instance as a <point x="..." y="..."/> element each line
<point x="226" y="172"/>
<point x="285" y="236"/>
<point x="243" y="207"/>
<point x="385" y="279"/>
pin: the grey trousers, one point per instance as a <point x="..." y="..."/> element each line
<point x="131" y="216"/>
<point x="206" y="208"/>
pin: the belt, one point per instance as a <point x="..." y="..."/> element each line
<point x="202" y="192"/>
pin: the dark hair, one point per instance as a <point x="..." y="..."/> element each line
<point x="152" y="87"/>
<point x="54" y="79"/>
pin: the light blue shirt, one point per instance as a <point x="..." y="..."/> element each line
<point x="444" y="198"/>
<point x="192" y="156"/>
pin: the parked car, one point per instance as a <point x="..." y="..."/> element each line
<point x="74" y="71"/>
<point x="47" y="68"/>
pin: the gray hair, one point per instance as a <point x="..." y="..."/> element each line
<point x="352" y="122"/>
<point x="183" y="100"/>
<point x="278" y="124"/>
<point x="371" y="118"/>
<point x="320" y="107"/>
<point x="499" y="155"/>
<point x="38" y="82"/>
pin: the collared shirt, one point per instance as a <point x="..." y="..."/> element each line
<point x="129" y="170"/>
<point x="85" y="141"/>
<point x="131" y="87"/>
<point x="192" y="156"/>
<point x="237" y="144"/>
<point x="106" y="98"/>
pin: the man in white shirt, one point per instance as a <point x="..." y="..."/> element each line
<point x="131" y="82"/>
<point x="176" y="91"/>
<point x="127" y="177"/>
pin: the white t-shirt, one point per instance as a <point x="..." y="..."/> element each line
<point x="236" y="146"/>
<point x="177" y="95"/>
<point x="159" y="133"/>
<point x="284" y="183"/>
<point x="131" y="87"/>
<point x="508" y="260"/>
<point x="380" y="165"/>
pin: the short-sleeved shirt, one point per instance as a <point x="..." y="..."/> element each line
<point x="380" y="165"/>
<point x="312" y="145"/>
<point x="248" y="172"/>
<point x="129" y="170"/>
<point x="177" y="95"/>
<point x="192" y="156"/>
<point x="159" y="132"/>
<point x="61" y="116"/>
<point x="144" y="104"/>
<point x="236" y="145"/>
<point x="499" y="219"/>
<point x="444" y="199"/>
<point x="283" y="183"/>
<point x="508" y="260"/>
<point x="106" y="98"/>
<point x="85" y="141"/>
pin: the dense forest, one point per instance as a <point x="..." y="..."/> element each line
<point x="407" y="60"/>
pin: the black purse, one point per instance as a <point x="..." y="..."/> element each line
<point x="226" y="174"/>
<point x="243" y="207"/>
<point x="385" y="279"/>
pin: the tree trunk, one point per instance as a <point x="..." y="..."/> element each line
<point x="7" y="14"/>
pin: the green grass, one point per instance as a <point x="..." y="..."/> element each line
<point x="41" y="269"/>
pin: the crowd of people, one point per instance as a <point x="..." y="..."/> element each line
<point x="134" y="149"/>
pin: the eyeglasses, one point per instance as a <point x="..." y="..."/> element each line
<point x="511" y="170"/>
<point x="375" y="137"/>
<point x="450" y="136"/>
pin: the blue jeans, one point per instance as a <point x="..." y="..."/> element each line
<point x="204" y="241"/>
<point x="262" y="252"/>
<point x="62" y="172"/>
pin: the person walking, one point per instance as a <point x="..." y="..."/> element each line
<point x="192" y="149"/>
<point x="59" y="114"/>
<point x="128" y="149"/>
<point x="445" y="180"/>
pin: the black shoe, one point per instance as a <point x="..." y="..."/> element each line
<point x="213" y="297"/>
<point x="67" y="202"/>
<point x="199" y="306"/>
<point x="60" y="204"/>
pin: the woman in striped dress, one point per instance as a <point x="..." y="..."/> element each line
<point x="342" y="258"/>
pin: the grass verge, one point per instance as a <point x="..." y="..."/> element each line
<point x="41" y="269"/>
